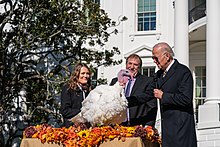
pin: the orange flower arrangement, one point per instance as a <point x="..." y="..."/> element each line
<point x="81" y="137"/>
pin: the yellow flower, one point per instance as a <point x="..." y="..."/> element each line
<point x="83" y="134"/>
<point x="131" y="130"/>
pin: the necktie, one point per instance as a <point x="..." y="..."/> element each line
<point x="164" y="73"/>
<point x="127" y="91"/>
<point x="127" y="94"/>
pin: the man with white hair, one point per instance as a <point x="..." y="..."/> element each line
<point x="175" y="91"/>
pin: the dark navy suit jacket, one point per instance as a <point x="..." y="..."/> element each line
<point x="178" y="125"/>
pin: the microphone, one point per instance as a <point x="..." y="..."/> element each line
<point x="155" y="80"/>
<point x="157" y="75"/>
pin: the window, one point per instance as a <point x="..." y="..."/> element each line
<point x="200" y="87"/>
<point x="146" y="15"/>
<point x="148" y="71"/>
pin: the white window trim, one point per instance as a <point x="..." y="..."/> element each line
<point x="151" y="32"/>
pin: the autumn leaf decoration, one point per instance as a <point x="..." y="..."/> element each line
<point x="76" y="136"/>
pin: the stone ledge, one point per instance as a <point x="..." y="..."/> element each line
<point x="208" y="125"/>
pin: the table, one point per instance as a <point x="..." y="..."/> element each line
<point x="130" y="142"/>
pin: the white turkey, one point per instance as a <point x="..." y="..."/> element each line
<point x="105" y="105"/>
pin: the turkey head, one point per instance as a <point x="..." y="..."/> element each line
<point x="124" y="75"/>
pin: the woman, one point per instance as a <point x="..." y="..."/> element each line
<point x="74" y="92"/>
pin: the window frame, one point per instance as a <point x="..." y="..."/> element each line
<point x="199" y="100"/>
<point x="146" y="12"/>
<point x="149" y="70"/>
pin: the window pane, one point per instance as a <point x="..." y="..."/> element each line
<point x="197" y="71"/>
<point x="153" y="26"/>
<point x="148" y="71"/>
<point x="152" y="8"/>
<point x="204" y="81"/>
<point x="146" y="15"/>
<point x="140" y="5"/>
<point x="146" y="2"/>
<point x="200" y="72"/>
<point x="198" y="82"/>
<point x="153" y="15"/>
<point x="140" y="19"/>
<point x="146" y="26"/>
<point x="153" y="1"/>
<point x="146" y="19"/>
<point x="140" y="27"/>
<point x="200" y="87"/>
<point x="198" y="92"/>
<point x="140" y="22"/>
<point x="145" y="71"/>
<point x="140" y="16"/>
<point x="153" y="18"/>
<point x="147" y="8"/>
<point x="203" y="92"/>
<point x="203" y="72"/>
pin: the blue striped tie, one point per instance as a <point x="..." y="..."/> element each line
<point x="127" y="91"/>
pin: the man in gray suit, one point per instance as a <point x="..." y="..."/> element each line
<point x="175" y="92"/>
<point x="142" y="109"/>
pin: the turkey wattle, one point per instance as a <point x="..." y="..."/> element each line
<point x="105" y="105"/>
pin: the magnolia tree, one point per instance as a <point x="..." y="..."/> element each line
<point x="40" y="42"/>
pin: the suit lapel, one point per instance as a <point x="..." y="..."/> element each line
<point x="169" y="74"/>
<point x="136" y="83"/>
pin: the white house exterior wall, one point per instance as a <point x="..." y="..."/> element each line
<point x="129" y="40"/>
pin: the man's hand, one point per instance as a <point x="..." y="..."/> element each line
<point x="122" y="84"/>
<point x="158" y="93"/>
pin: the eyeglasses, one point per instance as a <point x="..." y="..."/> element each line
<point x="157" y="58"/>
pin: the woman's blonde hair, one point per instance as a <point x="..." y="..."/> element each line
<point x="74" y="78"/>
